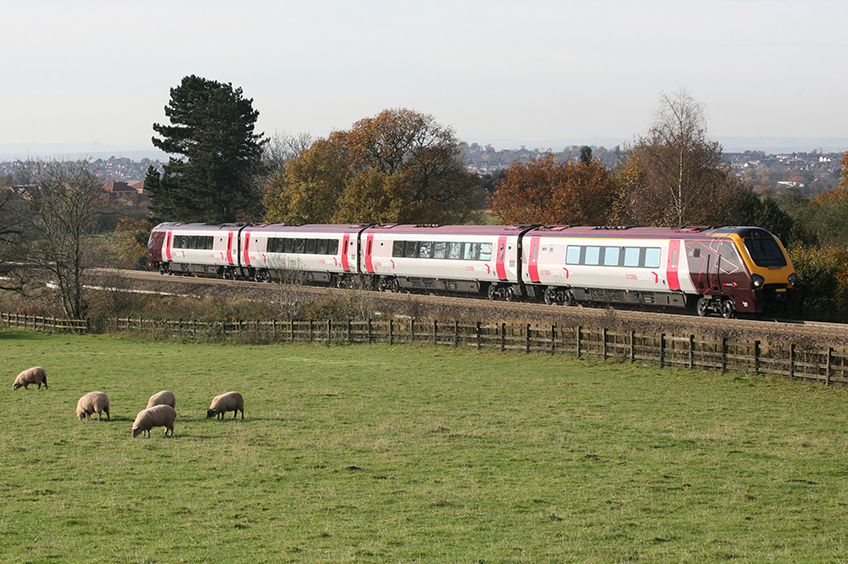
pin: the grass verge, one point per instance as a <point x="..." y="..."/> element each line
<point x="406" y="454"/>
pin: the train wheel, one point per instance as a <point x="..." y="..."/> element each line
<point x="727" y="309"/>
<point x="568" y="298"/>
<point x="702" y="306"/>
<point x="550" y="296"/>
<point x="492" y="292"/>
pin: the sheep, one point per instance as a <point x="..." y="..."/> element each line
<point x="93" y="402"/>
<point x="156" y="416"/>
<point x="231" y="401"/>
<point x="34" y="375"/>
<point x="162" y="398"/>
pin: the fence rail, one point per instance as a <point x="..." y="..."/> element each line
<point x="42" y="323"/>
<point x="825" y="365"/>
<point x="828" y="366"/>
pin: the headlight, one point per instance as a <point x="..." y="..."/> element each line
<point x="758" y="280"/>
<point x="793" y="279"/>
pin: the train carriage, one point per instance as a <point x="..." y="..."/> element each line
<point x="448" y="258"/>
<point x="194" y="248"/>
<point x="326" y="254"/>
<point x="723" y="270"/>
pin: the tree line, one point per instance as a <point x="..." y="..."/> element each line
<point x="401" y="166"/>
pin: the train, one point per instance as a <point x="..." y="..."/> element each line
<point x="708" y="270"/>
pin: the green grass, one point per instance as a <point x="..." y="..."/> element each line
<point x="404" y="454"/>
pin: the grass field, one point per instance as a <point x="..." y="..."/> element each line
<point x="404" y="454"/>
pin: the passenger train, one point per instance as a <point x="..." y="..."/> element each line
<point x="720" y="270"/>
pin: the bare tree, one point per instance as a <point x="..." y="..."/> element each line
<point x="13" y="236"/>
<point x="68" y="200"/>
<point x="677" y="173"/>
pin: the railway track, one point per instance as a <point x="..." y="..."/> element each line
<point x="676" y="321"/>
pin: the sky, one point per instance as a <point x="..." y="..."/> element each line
<point x="92" y="76"/>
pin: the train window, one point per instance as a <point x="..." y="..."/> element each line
<point x="289" y="248"/>
<point x="631" y="256"/>
<point x="572" y="255"/>
<point x="674" y="258"/>
<point x="764" y="250"/>
<point x="299" y="246"/>
<point x="454" y="251"/>
<point x="470" y="251"/>
<point x="611" y="256"/>
<point x="410" y="249"/>
<point x="210" y="243"/>
<point x="652" y="257"/>
<point x="321" y="247"/>
<point x="592" y="256"/>
<point x="501" y="253"/>
<point x="309" y="247"/>
<point x="425" y="250"/>
<point x="397" y="249"/>
<point x="440" y="250"/>
<point x="332" y="246"/>
<point x="485" y="251"/>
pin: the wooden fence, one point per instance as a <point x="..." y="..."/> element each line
<point x="828" y="366"/>
<point x="825" y="365"/>
<point x="42" y="323"/>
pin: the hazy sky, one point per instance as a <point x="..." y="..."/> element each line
<point x="98" y="73"/>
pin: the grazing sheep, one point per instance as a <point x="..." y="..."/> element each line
<point x="34" y="375"/>
<point x="93" y="402"/>
<point x="162" y="398"/>
<point x="156" y="416"/>
<point x="231" y="401"/>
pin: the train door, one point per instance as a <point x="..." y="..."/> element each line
<point x="672" y="264"/>
<point x="500" y="264"/>
<point x="369" y="264"/>
<point x="533" y="262"/>
<point x="345" y="244"/>
<point x="168" y="246"/>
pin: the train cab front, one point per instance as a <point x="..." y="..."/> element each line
<point x="772" y="274"/>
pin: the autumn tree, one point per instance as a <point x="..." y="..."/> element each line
<point x="549" y="192"/>
<point x="212" y="133"/>
<point x="398" y="166"/>
<point x="675" y="175"/>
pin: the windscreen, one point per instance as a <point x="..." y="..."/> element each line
<point x="764" y="250"/>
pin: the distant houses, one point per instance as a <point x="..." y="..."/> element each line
<point x="132" y="193"/>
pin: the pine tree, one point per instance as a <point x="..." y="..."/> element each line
<point x="212" y="132"/>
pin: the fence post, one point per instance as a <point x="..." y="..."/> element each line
<point x="456" y="333"/>
<point x="756" y="357"/>
<point x="503" y="336"/>
<point x="411" y="330"/>
<point x="370" y="338"/>
<point x="827" y="370"/>
<point x="691" y="352"/>
<point x="632" y="345"/>
<point x="723" y="355"/>
<point x="527" y="339"/>
<point x="553" y="338"/>
<point x="391" y="332"/>
<point x="604" y="347"/>
<point x="792" y="361"/>
<point x="662" y="349"/>
<point x="435" y="332"/>
<point x="477" y="334"/>
<point x="579" y="330"/>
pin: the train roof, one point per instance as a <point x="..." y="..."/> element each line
<point x="410" y="229"/>
<point x="626" y="232"/>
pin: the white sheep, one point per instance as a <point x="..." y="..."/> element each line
<point x="231" y="401"/>
<point x="156" y="416"/>
<point x="34" y="375"/>
<point x="93" y="402"/>
<point x="162" y="398"/>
